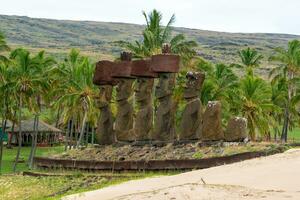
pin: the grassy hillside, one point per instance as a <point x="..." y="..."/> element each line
<point x="98" y="39"/>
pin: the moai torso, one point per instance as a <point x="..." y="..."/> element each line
<point x="212" y="123"/>
<point x="105" y="133"/>
<point x="124" y="117"/>
<point x="144" y="117"/>
<point x="236" y="129"/>
<point x="191" y="120"/>
<point x="165" y="116"/>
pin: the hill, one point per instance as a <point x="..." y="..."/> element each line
<point x="99" y="39"/>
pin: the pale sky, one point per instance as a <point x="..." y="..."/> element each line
<point x="268" y="16"/>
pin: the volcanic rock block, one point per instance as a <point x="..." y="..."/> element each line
<point x="105" y="133"/>
<point x="191" y="120"/>
<point x="212" y="123"/>
<point x="167" y="63"/>
<point x="123" y="68"/>
<point x="236" y="129"/>
<point x="103" y="73"/>
<point x="142" y="68"/>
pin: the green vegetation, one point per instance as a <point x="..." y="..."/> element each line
<point x="294" y="135"/>
<point x="9" y="156"/>
<point x="155" y="35"/>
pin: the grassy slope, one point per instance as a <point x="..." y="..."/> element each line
<point x="294" y="135"/>
<point x="98" y="39"/>
<point x="10" y="154"/>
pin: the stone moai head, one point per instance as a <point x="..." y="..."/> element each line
<point x="165" y="85"/>
<point x="105" y="95"/>
<point x="194" y="84"/>
<point x="143" y="89"/>
<point x="124" y="89"/>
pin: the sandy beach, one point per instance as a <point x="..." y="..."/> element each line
<point x="274" y="177"/>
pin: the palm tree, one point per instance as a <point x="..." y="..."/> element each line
<point x="250" y="59"/>
<point x="289" y="67"/>
<point x="155" y="35"/>
<point x="25" y="81"/>
<point x="221" y="83"/>
<point x="43" y="65"/>
<point x="255" y="104"/>
<point x="77" y="93"/>
<point x="4" y="105"/>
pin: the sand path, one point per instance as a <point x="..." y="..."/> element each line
<point x="269" y="178"/>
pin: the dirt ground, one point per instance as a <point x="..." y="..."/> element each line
<point x="272" y="178"/>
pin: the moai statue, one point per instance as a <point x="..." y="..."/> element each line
<point x="144" y="116"/>
<point x="166" y="65"/>
<point x="143" y="95"/>
<point x="164" y="129"/>
<point x="191" y="121"/>
<point x="103" y="78"/>
<point x="105" y="134"/>
<point x="124" y="117"/>
<point x="236" y="130"/>
<point x="212" y="122"/>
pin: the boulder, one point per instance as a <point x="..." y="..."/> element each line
<point x="212" y="122"/>
<point x="236" y="130"/>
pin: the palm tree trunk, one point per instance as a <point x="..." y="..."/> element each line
<point x="285" y="127"/>
<point x="1" y="142"/>
<point x="71" y="133"/>
<point x="20" y="135"/>
<point x="67" y="135"/>
<point x="87" y="134"/>
<point x="93" y="135"/>
<point x="57" y="117"/>
<point x="34" y="142"/>
<point x="32" y="139"/>
<point x="82" y="129"/>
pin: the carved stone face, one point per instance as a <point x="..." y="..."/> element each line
<point x="105" y="96"/>
<point x="143" y="88"/>
<point x="193" y="84"/>
<point x="165" y="85"/>
<point x="124" y="89"/>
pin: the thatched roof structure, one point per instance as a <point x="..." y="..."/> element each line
<point x="27" y="126"/>
<point x="8" y="124"/>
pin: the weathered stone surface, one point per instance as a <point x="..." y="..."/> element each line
<point x="142" y="68"/>
<point x="212" y="123"/>
<point x="122" y="68"/>
<point x="124" y="117"/>
<point x="144" y="117"/>
<point x="167" y="63"/>
<point x="103" y="73"/>
<point x="236" y="129"/>
<point x="191" y="120"/>
<point x="105" y="133"/>
<point x="165" y="115"/>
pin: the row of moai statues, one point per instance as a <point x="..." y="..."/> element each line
<point x="145" y="125"/>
